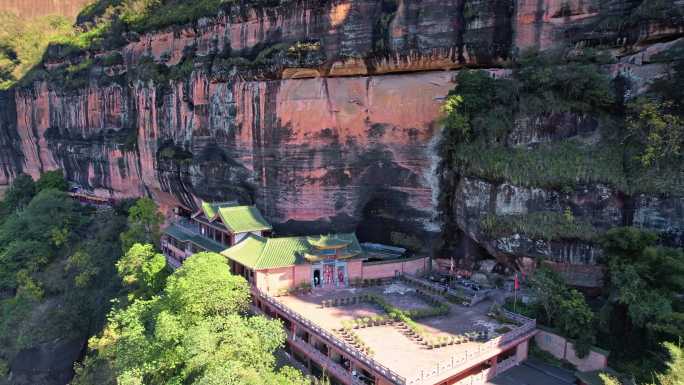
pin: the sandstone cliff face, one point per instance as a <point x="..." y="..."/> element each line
<point x="324" y="114"/>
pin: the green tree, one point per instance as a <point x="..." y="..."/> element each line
<point x="674" y="375"/>
<point x="644" y="278"/>
<point x="57" y="257"/>
<point x="563" y="308"/>
<point x="607" y="379"/>
<point x="195" y="332"/>
<point x="143" y="270"/>
<point x="547" y="287"/>
<point x="27" y="238"/>
<point x="642" y="307"/>
<point x="660" y="131"/>
<point x="20" y="193"/>
<point x="144" y="221"/>
<point x="576" y="320"/>
<point x="81" y="262"/>
<point x="52" y="179"/>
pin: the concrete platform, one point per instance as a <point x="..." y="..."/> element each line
<point x="391" y="347"/>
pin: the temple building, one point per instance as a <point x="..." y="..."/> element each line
<point x="359" y="314"/>
<point x="276" y="265"/>
<point x="214" y="227"/>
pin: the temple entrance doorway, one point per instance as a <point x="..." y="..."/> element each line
<point x="329" y="274"/>
<point x="316" y="278"/>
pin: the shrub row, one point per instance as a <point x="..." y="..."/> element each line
<point x="353" y="339"/>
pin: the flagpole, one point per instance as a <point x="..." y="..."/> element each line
<point x="515" y="293"/>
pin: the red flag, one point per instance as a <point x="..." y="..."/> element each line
<point x="516" y="284"/>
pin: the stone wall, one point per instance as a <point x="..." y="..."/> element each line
<point x="373" y="270"/>
<point x="563" y="349"/>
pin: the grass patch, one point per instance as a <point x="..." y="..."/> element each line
<point x="538" y="225"/>
<point x="23" y="43"/>
<point x="556" y="165"/>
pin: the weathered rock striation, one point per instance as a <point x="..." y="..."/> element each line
<point x="324" y="114"/>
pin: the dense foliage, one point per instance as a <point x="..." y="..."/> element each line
<point x="144" y="221"/>
<point x="195" y="331"/>
<point x="636" y="146"/>
<point x="562" y="308"/>
<point x="674" y="374"/>
<point x="642" y="307"/>
<point x="485" y="112"/>
<point x="61" y="265"/>
<point x="57" y="270"/>
<point x="539" y="225"/>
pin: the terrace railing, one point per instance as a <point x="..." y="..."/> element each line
<point x="475" y="296"/>
<point x="332" y="367"/>
<point x="189" y="225"/>
<point x="477" y="353"/>
<point x="333" y="340"/>
<point x="463" y="358"/>
<point x="476" y="379"/>
<point x="506" y="364"/>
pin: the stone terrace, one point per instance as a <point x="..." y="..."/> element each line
<point x="391" y="347"/>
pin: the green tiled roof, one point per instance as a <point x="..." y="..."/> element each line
<point x="210" y="209"/>
<point x="185" y="235"/>
<point x="238" y="219"/>
<point x="241" y="219"/>
<point x="258" y="253"/>
<point x="248" y="251"/>
<point x="329" y="241"/>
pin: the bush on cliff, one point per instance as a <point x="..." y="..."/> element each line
<point x="52" y="180"/>
<point x="482" y="111"/>
<point x="546" y="225"/>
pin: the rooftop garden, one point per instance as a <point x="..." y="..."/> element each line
<point x="427" y="318"/>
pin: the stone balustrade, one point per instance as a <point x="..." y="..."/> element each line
<point x="333" y="340"/>
<point x="461" y="360"/>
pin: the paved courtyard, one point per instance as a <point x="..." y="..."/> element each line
<point x="391" y="347"/>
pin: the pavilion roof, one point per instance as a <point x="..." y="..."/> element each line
<point x="330" y="241"/>
<point x="258" y="253"/>
<point x="238" y="219"/>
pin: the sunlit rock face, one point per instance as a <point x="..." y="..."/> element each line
<point x="340" y="136"/>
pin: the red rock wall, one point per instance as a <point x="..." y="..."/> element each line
<point x="337" y="143"/>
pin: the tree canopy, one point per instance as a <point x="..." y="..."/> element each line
<point x="144" y="221"/>
<point x="642" y="307"/>
<point x="57" y="270"/>
<point x="143" y="270"/>
<point x="195" y="331"/>
<point x="563" y="308"/>
<point x="52" y="179"/>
